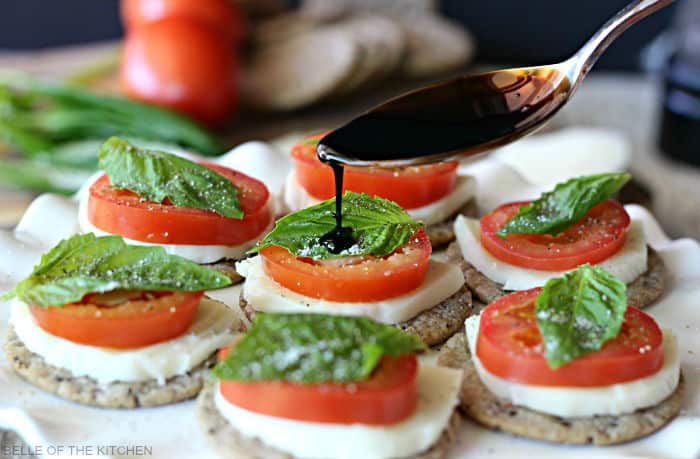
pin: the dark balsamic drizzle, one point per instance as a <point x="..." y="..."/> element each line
<point x="340" y="238"/>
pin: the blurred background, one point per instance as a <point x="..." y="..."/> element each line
<point x="511" y="31"/>
<point x="75" y="71"/>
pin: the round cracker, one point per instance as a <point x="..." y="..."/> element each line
<point x="300" y="71"/>
<point x="34" y="369"/>
<point x="433" y="326"/>
<point x="227" y="266"/>
<point x="435" y="45"/>
<point x="479" y="404"/>
<point x="383" y="44"/>
<point x="228" y="442"/>
<point x="442" y="233"/>
<point x="641" y="292"/>
<point x="282" y="27"/>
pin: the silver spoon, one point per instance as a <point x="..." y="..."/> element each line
<point x="473" y="113"/>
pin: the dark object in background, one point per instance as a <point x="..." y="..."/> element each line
<point x="680" y="120"/>
<point x="536" y="32"/>
<point x="507" y="31"/>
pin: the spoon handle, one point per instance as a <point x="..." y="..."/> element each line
<point x="584" y="59"/>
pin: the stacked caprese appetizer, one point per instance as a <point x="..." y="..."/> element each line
<point x="433" y="194"/>
<point x="203" y="212"/>
<point x="329" y="387"/>
<point x="385" y="274"/>
<point x="568" y="363"/>
<point x="104" y="323"/>
<point x="521" y="245"/>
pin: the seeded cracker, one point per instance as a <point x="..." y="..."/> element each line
<point x="642" y="292"/>
<point x="279" y="76"/>
<point x="479" y="404"/>
<point x="443" y="233"/>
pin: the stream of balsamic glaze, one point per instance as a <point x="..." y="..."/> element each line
<point x="340" y="238"/>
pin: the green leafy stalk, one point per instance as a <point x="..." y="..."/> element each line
<point x="557" y="210"/>
<point x="85" y="263"/>
<point x="141" y="120"/>
<point x="378" y="225"/>
<point x="36" y="174"/>
<point x="579" y="312"/>
<point x="156" y="175"/>
<point x="313" y="348"/>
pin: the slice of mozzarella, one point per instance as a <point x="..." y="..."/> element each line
<point x="48" y="219"/>
<point x="261" y="161"/>
<point x="296" y="198"/>
<point x="589" y="150"/>
<point x="196" y="253"/>
<point x="560" y="401"/>
<point x="627" y="264"/>
<point x="213" y="327"/>
<point x="264" y="294"/>
<point x="438" y="389"/>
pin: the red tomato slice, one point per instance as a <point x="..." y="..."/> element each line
<point x="510" y="346"/>
<point x="123" y="212"/>
<point x="594" y="238"/>
<point x="409" y="187"/>
<point x="355" y="280"/>
<point x="151" y="317"/>
<point x="387" y="397"/>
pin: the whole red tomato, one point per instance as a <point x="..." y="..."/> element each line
<point x="220" y="15"/>
<point x="180" y="64"/>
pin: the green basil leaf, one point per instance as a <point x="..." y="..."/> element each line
<point x="156" y="175"/>
<point x="313" y="348"/>
<point x="579" y="312"/>
<point x="85" y="263"/>
<point x="556" y="210"/>
<point x="378" y="225"/>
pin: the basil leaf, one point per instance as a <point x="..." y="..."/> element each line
<point x="556" y="210"/>
<point x="579" y="312"/>
<point x="85" y="263"/>
<point x="313" y="348"/>
<point x="156" y="175"/>
<point x="378" y="225"/>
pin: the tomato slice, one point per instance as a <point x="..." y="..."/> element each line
<point x="387" y="397"/>
<point x="125" y="213"/>
<point x="510" y="346"/>
<point x="596" y="237"/>
<point x="148" y="318"/>
<point x="353" y="280"/>
<point x="409" y="187"/>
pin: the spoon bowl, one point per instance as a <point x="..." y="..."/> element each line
<point x="470" y="114"/>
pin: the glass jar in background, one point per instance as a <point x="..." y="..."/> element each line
<point x="680" y="120"/>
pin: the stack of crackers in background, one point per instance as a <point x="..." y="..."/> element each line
<point x="330" y="49"/>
